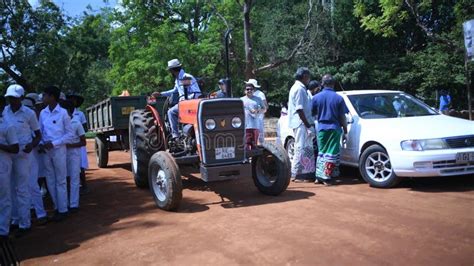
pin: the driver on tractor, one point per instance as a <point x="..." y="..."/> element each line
<point x="187" y="88"/>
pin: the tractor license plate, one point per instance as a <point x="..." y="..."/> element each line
<point x="465" y="157"/>
<point x="225" y="153"/>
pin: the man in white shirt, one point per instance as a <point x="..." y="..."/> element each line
<point x="56" y="127"/>
<point x="81" y="118"/>
<point x="25" y="123"/>
<point x="74" y="156"/>
<point x="185" y="85"/>
<point x="300" y="119"/>
<point x="8" y="147"/>
<point x="258" y="93"/>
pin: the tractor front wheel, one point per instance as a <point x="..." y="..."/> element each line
<point x="271" y="170"/>
<point x="164" y="178"/>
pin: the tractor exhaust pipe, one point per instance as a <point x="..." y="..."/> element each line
<point x="228" y="82"/>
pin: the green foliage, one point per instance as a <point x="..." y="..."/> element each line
<point x="415" y="46"/>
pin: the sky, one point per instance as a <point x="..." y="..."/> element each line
<point x="76" y="7"/>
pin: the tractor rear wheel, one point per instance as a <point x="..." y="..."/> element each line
<point x="144" y="142"/>
<point x="271" y="170"/>
<point x="164" y="178"/>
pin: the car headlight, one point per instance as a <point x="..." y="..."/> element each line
<point x="423" y="145"/>
<point x="236" y="122"/>
<point x="210" y="124"/>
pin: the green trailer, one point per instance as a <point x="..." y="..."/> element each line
<point x="109" y="120"/>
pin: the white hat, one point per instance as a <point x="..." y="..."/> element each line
<point x="34" y="96"/>
<point x="174" y="63"/>
<point x="40" y="98"/>
<point x="28" y="102"/>
<point x="252" y="82"/>
<point x="15" y="90"/>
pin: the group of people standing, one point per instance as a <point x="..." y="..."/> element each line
<point x="41" y="135"/>
<point x="305" y="106"/>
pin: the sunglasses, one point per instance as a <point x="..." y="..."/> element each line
<point x="249" y="89"/>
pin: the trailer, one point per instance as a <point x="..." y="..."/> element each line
<point x="109" y="120"/>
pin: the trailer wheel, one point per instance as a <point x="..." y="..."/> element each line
<point x="101" y="151"/>
<point x="144" y="142"/>
<point x="271" y="170"/>
<point x="164" y="178"/>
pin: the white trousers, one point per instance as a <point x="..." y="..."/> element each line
<point x="5" y="193"/>
<point x="302" y="135"/>
<point x="84" y="159"/>
<point x="35" y="191"/>
<point x="20" y="177"/>
<point x="56" y="172"/>
<point x="74" y="172"/>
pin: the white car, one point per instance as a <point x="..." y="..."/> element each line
<point x="394" y="135"/>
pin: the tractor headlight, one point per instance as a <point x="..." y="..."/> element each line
<point x="210" y="124"/>
<point x="236" y="122"/>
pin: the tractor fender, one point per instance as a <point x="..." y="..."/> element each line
<point x="158" y="123"/>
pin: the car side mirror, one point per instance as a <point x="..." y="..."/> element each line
<point x="349" y="119"/>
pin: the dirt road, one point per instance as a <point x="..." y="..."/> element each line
<point x="428" y="221"/>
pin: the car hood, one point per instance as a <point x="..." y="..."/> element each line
<point x="422" y="127"/>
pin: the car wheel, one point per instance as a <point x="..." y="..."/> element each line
<point x="290" y="148"/>
<point x="376" y="168"/>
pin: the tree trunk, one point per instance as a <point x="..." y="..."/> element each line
<point x="17" y="78"/>
<point x="249" y="61"/>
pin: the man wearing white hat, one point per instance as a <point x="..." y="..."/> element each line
<point x="258" y="93"/>
<point x="192" y="89"/>
<point x="24" y="120"/>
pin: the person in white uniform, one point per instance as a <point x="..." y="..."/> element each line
<point x="36" y="163"/>
<point x="24" y="120"/>
<point x="79" y="116"/>
<point x="258" y="93"/>
<point x="56" y="127"/>
<point x="8" y="147"/>
<point x="74" y="156"/>
<point x="300" y="119"/>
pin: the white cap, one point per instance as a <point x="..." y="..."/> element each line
<point x="174" y="63"/>
<point x="40" y="98"/>
<point x="33" y="95"/>
<point x="15" y="90"/>
<point x="28" y="102"/>
<point x="252" y="82"/>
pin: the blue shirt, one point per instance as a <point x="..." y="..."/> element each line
<point x="328" y="107"/>
<point x="193" y="89"/>
<point x="444" y="102"/>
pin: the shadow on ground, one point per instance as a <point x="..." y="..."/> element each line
<point x="109" y="201"/>
<point x="238" y="193"/>
<point x="440" y="184"/>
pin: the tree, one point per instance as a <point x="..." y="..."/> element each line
<point x="250" y="69"/>
<point x="31" y="48"/>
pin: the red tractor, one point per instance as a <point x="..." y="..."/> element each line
<point x="212" y="137"/>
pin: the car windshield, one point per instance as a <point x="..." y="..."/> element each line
<point x="389" y="105"/>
